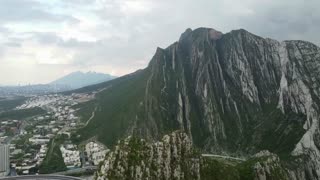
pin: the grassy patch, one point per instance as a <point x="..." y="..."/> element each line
<point x="85" y="110"/>
<point x="21" y="113"/>
<point x="212" y="169"/>
<point x="10" y="103"/>
<point x="53" y="161"/>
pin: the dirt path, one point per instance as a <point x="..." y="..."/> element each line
<point x="91" y="117"/>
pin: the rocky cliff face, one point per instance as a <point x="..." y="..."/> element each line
<point x="223" y="85"/>
<point x="171" y="158"/>
<point x="232" y="87"/>
<point x="233" y="93"/>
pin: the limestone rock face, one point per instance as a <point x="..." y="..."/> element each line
<point x="239" y="93"/>
<point x="269" y="167"/>
<point x="170" y="158"/>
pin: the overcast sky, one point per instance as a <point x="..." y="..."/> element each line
<point x="41" y="40"/>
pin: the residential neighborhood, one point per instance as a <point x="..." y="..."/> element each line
<point x="71" y="155"/>
<point x="96" y="152"/>
<point x="32" y="139"/>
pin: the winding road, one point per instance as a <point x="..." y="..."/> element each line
<point x="224" y="157"/>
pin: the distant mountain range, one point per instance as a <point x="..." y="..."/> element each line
<point x="80" y="79"/>
<point x="66" y="83"/>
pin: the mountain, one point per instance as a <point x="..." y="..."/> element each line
<point x="80" y="79"/>
<point x="233" y="94"/>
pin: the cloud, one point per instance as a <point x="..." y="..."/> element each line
<point x="120" y="36"/>
<point x="13" y="44"/>
<point x="29" y="11"/>
<point x="283" y="20"/>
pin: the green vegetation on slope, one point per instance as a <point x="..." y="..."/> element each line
<point x="85" y="110"/>
<point x="53" y="161"/>
<point x="116" y="110"/>
<point x="247" y="171"/>
<point x="277" y="132"/>
<point x="21" y="113"/>
<point x="10" y="103"/>
<point x="213" y="169"/>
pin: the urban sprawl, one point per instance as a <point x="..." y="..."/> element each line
<point x="24" y="144"/>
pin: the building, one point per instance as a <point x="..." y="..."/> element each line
<point x="38" y="139"/>
<point x="96" y="152"/>
<point x="70" y="156"/>
<point x="4" y="160"/>
<point x="98" y="156"/>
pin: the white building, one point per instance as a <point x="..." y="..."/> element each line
<point x="38" y="139"/>
<point x="70" y="157"/>
<point x="96" y="152"/>
<point x="41" y="154"/>
<point x="4" y="160"/>
<point x="23" y="132"/>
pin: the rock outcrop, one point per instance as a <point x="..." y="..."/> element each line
<point x="268" y="166"/>
<point x="171" y="158"/>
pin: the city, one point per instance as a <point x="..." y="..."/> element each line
<point x="27" y="144"/>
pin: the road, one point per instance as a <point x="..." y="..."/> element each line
<point x="78" y="170"/>
<point x="224" y="157"/>
<point x="91" y="117"/>
<point x="41" y="177"/>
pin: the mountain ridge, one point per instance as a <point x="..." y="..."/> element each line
<point x="234" y="93"/>
<point x="79" y="79"/>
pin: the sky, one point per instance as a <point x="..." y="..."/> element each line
<point x="42" y="40"/>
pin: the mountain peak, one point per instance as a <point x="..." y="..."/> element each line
<point x="80" y="79"/>
<point x="185" y="33"/>
<point x="214" y="34"/>
<point x="202" y="32"/>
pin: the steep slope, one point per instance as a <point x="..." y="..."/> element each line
<point x="80" y="79"/>
<point x="233" y="93"/>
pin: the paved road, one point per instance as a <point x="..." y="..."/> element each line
<point x="41" y="177"/>
<point x="78" y="170"/>
<point x="224" y="157"/>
